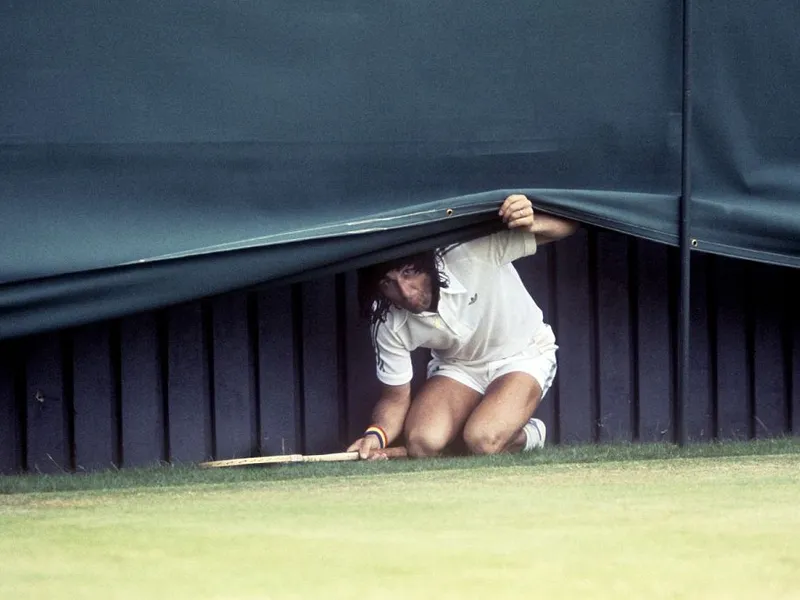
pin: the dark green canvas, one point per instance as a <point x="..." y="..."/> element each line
<point x="153" y="152"/>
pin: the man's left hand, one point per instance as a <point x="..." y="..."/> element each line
<point x="517" y="211"/>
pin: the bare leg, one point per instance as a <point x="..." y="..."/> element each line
<point x="437" y="415"/>
<point x="496" y="423"/>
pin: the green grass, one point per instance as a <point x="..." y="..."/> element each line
<point x="715" y="521"/>
<point x="165" y="475"/>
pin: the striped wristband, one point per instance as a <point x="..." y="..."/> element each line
<point x="379" y="433"/>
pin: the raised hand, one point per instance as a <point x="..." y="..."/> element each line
<point x="517" y="211"/>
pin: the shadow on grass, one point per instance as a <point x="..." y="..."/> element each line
<point x="166" y="475"/>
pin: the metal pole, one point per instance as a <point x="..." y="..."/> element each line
<point x="686" y="242"/>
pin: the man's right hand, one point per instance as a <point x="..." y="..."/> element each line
<point x="368" y="447"/>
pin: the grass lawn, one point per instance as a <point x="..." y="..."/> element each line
<point x="609" y="522"/>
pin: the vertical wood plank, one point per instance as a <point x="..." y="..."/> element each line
<point x="277" y="372"/>
<point x="654" y="360"/>
<point x="769" y="378"/>
<point x="733" y="412"/>
<point x="793" y="285"/>
<point x="535" y="274"/>
<point x="321" y="408"/>
<point x="363" y="387"/>
<point x="235" y="420"/>
<point x="94" y="398"/>
<point x="142" y="391"/>
<point x="46" y="410"/>
<point x="188" y="388"/>
<point x="614" y="360"/>
<point x="574" y="332"/>
<point x="699" y="412"/>
<point x="10" y="434"/>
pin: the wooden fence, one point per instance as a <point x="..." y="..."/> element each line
<point x="289" y="369"/>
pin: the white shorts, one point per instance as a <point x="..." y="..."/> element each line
<point x="537" y="360"/>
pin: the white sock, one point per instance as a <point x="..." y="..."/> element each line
<point x="535" y="433"/>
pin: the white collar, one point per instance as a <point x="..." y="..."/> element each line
<point x="454" y="285"/>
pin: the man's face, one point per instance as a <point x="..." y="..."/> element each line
<point x="408" y="288"/>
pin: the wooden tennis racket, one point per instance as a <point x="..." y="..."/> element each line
<point x="398" y="452"/>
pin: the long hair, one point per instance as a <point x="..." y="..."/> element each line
<point x="372" y="303"/>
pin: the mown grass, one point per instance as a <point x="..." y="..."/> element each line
<point x="610" y="522"/>
<point x="176" y="475"/>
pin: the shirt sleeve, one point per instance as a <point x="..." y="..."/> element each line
<point x="392" y="358"/>
<point x="504" y="246"/>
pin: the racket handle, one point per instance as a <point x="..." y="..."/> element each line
<point x="395" y="452"/>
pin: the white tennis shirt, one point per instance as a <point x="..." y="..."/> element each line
<point x="484" y="314"/>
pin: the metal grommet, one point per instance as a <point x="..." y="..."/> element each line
<point x="694" y="243"/>
<point x="449" y="212"/>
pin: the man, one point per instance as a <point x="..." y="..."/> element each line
<point x="493" y="357"/>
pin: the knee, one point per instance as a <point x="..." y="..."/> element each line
<point x="483" y="439"/>
<point x="423" y="443"/>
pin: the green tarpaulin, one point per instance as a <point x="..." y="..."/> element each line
<point x="152" y="152"/>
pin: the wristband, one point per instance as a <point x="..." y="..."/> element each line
<point x="379" y="433"/>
